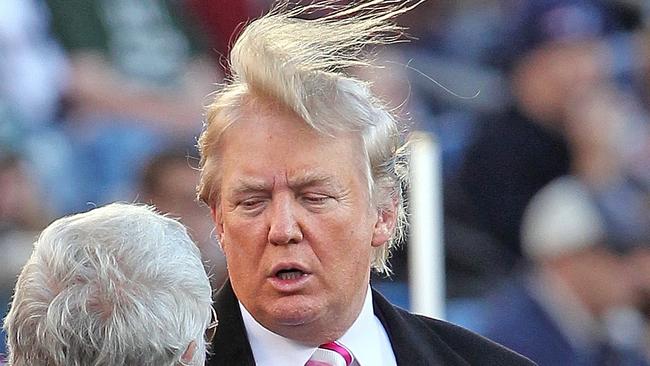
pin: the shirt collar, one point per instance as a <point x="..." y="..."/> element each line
<point x="364" y="338"/>
<point x="273" y="349"/>
<point x="367" y="339"/>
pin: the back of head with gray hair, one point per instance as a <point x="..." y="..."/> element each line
<point x="304" y="65"/>
<point x="118" y="285"/>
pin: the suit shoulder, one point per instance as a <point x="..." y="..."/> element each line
<point x="473" y="348"/>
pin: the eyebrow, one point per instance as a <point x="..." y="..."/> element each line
<point x="297" y="182"/>
<point x="247" y="185"/>
<point x="306" y="179"/>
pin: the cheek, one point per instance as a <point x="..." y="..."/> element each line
<point x="242" y="241"/>
<point x="350" y="250"/>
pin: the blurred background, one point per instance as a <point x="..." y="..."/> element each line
<point x="541" y="109"/>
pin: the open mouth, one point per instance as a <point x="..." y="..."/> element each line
<point x="290" y="274"/>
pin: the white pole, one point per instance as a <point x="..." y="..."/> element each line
<point x="425" y="250"/>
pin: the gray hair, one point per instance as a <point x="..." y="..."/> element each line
<point x="118" y="285"/>
<point x="303" y="65"/>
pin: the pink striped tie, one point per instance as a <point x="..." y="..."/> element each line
<point x="330" y="354"/>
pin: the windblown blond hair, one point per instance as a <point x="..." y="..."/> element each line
<point x="305" y="65"/>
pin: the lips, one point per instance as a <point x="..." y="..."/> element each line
<point x="289" y="271"/>
<point x="289" y="276"/>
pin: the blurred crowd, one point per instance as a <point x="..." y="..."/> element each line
<point x="541" y="108"/>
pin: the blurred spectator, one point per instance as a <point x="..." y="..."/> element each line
<point x="576" y="305"/>
<point x="564" y="54"/>
<point x="536" y="22"/>
<point x="33" y="70"/>
<point x="498" y="152"/>
<point x="517" y="152"/>
<point x="138" y="77"/>
<point x="609" y="136"/>
<point x="169" y="182"/>
<point x="22" y="216"/>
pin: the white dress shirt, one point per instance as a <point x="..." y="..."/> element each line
<point x="366" y="339"/>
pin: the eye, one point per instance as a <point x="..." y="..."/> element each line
<point x="315" y="199"/>
<point x="251" y="204"/>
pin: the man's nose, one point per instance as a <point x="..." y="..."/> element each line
<point x="284" y="227"/>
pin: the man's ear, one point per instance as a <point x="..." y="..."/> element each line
<point x="215" y="212"/>
<point x="188" y="355"/>
<point x="384" y="227"/>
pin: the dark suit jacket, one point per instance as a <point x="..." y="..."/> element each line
<point x="416" y="340"/>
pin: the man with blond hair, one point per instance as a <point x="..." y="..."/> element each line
<point x="303" y="170"/>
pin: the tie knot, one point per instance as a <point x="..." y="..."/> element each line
<point x="338" y="348"/>
<point x="331" y="354"/>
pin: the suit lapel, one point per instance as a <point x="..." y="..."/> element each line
<point x="230" y="345"/>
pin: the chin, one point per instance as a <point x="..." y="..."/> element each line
<point x="295" y="310"/>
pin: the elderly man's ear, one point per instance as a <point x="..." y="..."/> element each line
<point x="188" y="355"/>
<point x="218" y="222"/>
<point x="384" y="227"/>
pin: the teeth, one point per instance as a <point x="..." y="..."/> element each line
<point x="290" y="275"/>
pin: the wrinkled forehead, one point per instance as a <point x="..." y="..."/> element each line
<point x="268" y="132"/>
<point x="253" y="113"/>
